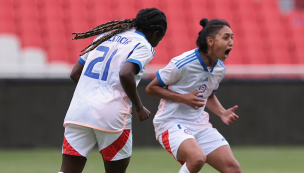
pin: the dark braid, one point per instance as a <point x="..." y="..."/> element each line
<point x="210" y="29"/>
<point x="148" y="20"/>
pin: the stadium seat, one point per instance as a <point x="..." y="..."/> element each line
<point x="6" y="9"/>
<point x="9" y="56"/>
<point x="235" y="56"/>
<point x="281" y="56"/>
<point x="262" y="34"/>
<point x="161" y="54"/>
<point x="57" y="53"/>
<point x="101" y="12"/>
<point x="57" y="40"/>
<point x="33" y="63"/>
<point x="9" y="44"/>
<point x="126" y="9"/>
<point x="221" y="10"/>
<point x="7" y="26"/>
<point x="299" y="54"/>
<point x="245" y="9"/>
<point x="58" y="69"/>
<point x="31" y="39"/>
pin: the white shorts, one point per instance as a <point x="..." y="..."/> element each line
<point x="79" y="141"/>
<point x="209" y="139"/>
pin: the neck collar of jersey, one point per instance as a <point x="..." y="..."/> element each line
<point x="200" y="58"/>
<point x="140" y="33"/>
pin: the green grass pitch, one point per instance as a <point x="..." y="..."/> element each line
<point x="151" y="160"/>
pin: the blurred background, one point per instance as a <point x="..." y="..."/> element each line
<point x="265" y="77"/>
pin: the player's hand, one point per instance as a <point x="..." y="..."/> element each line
<point x="191" y="100"/>
<point x="143" y="114"/>
<point x="229" y="116"/>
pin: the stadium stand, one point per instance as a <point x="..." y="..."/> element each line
<point x="36" y="34"/>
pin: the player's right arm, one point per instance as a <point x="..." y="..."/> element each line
<point x="76" y="72"/>
<point x="139" y="58"/>
<point x="167" y="76"/>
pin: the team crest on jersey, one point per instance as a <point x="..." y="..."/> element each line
<point x="203" y="88"/>
<point x="187" y="131"/>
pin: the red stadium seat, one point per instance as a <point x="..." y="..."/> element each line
<point x="161" y="54"/>
<point x="122" y="9"/>
<point x="6" y="10"/>
<point x="57" y="40"/>
<point x="31" y="39"/>
<point x="221" y="10"/>
<point x="7" y="26"/>
<point x="245" y="9"/>
<point x="262" y="34"/>
<point x="77" y="26"/>
<point x="101" y="12"/>
<point x="281" y="56"/>
<point x="235" y="56"/>
<point x="149" y="3"/>
<point x="299" y="54"/>
<point x="52" y="27"/>
<point x="57" y="53"/>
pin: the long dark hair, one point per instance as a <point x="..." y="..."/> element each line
<point x="148" y="20"/>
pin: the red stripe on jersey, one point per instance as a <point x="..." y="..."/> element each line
<point x="110" y="152"/>
<point x="165" y="139"/>
<point x="68" y="149"/>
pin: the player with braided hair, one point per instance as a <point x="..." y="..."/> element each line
<point x="181" y="124"/>
<point x="107" y="74"/>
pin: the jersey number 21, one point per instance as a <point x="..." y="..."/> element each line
<point x="90" y="67"/>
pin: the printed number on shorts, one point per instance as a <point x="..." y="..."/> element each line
<point x="90" y="67"/>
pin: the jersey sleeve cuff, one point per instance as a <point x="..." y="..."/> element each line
<point x="135" y="62"/>
<point x="160" y="80"/>
<point x="214" y="91"/>
<point x="81" y="61"/>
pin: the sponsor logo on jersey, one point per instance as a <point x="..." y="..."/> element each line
<point x="203" y="88"/>
<point x="187" y="131"/>
<point x="206" y="80"/>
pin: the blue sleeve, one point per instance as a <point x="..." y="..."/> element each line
<point x="160" y="80"/>
<point x="135" y="62"/>
<point x="81" y="61"/>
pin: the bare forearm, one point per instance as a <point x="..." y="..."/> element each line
<point x="214" y="105"/>
<point x="162" y="93"/>
<point x="128" y="83"/>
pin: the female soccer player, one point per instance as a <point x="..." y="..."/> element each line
<point x="182" y="126"/>
<point x="107" y="74"/>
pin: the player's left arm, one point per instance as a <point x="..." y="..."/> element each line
<point x="228" y="116"/>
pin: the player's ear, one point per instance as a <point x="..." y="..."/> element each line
<point x="156" y="35"/>
<point x="210" y="41"/>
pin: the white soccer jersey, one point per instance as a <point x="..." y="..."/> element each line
<point x="99" y="101"/>
<point x="184" y="74"/>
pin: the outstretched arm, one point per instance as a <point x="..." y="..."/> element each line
<point x="228" y="116"/>
<point x="128" y="83"/>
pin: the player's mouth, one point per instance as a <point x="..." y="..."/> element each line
<point x="227" y="52"/>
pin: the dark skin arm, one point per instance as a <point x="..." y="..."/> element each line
<point x="76" y="72"/>
<point x="128" y="83"/>
<point x="156" y="89"/>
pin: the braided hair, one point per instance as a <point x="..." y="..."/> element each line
<point x="210" y="29"/>
<point x="148" y="20"/>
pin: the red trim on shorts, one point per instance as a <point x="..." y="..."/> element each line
<point x="68" y="149"/>
<point x="165" y="139"/>
<point x="110" y="152"/>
